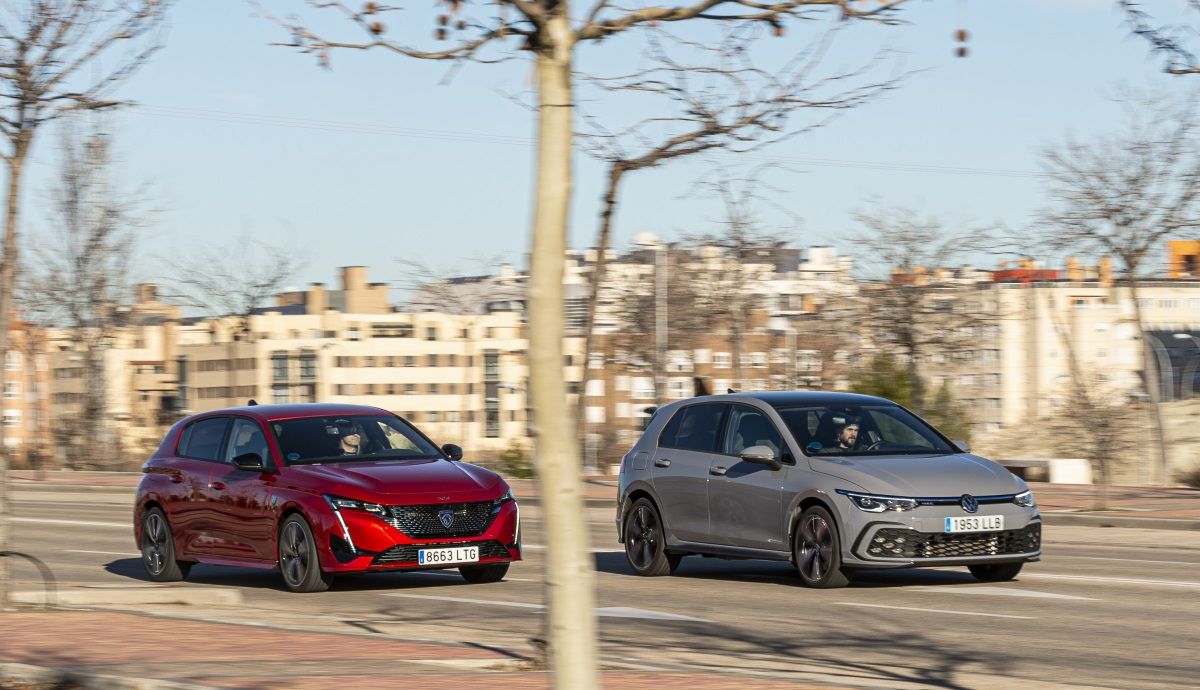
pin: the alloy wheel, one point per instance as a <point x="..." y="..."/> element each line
<point x="295" y="554"/>
<point x="642" y="536"/>
<point x="816" y="548"/>
<point x="154" y="543"/>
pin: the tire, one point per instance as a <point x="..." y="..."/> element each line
<point x="158" y="549"/>
<point x="817" y="551"/>
<point x="483" y="574"/>
<point x="995" y="572"/>
<point x="645" y="541"/>
<point x="298" y="560"/>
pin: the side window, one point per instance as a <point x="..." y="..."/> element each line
<point x="247" y="437"/>
<point x="700" y="428"/>
<point x="204" y="442"/>
<point x="749" y="427"/>
<point x="183" y="439"/>
<point x="667" y="440"/>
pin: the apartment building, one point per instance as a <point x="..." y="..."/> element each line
<point x="24" y="402"/>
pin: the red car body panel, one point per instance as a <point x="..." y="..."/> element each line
<point x="223" y="515"/>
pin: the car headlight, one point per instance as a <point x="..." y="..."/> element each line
<point x="338" y="503"/>
<point x="879" y="504"/>
<point x="506" y="498"/>
<point x="1025" y="499"/>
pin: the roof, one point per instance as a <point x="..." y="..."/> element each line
<point x="293" y="410"/>
<point x="787" y="398"/>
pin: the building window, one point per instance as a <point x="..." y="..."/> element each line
<point x="621" y="383"/>
<point x="808" y="360"/>
<point x="431" y="333"/>
<point x="779" y="355"/>
<point x="595" y="360"/>
<point x="410" y="361"/>
<point x="451" y="360"/>
<point x="643" y="388"/>
<point x="391" y="389"/>
<point x="410" y="389"/>
<point x="1168" y="304"/>
<point x="308" y="365"/>
<point x="12" y="390"/>
<point x="432" y="389"/>
<point x="758" y="359"/>
<point x="595" y="415"/>
<point x="279" y="366"/>
<point x="352" y="333"/>
<point x="433" y="416"/>
<point x="595" y="389"/>
<point x="722" y="360"/>
<point x="370" y="389"/>
<point x="431" y="360"/>
<point x="12" y="361"/>
<point x="279" y="394"/>
<point x="368" y="361"/>
<point x="679" y="387"/>
<point x="12" y="418"/>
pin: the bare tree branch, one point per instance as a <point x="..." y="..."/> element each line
<point x="1168" y="40"/>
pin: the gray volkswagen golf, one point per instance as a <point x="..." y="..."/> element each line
<point x="834" y="482"/>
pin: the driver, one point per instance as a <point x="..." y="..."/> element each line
<point x="847" y="436"/>
<point x="351" y="439"/>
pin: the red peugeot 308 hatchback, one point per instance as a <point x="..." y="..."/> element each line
<point x="318" y="490"/>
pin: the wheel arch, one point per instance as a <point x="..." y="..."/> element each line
<point x="636" y="491"/>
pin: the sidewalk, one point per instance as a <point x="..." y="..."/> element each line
<point x="124" y="650"/>
<point x="1147" y="507"/>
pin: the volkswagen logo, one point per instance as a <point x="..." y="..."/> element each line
<point x="446" y="517"/>
<point x="968" y="502"/>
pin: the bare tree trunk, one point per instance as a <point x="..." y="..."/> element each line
<point x="569" y="578"/>
<point x="8" y="280"/>
<point x="589" y="325"/>
<point x="1153" y="388"/>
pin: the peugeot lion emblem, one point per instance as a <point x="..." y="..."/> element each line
<point x="447" y="518"/>
<point x="968" y="502"/>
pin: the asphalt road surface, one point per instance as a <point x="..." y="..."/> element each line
<point x="1106" y="608"/>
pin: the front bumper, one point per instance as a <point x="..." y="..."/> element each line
<point x="918" y="538"/>
<point x="376" y="545"/>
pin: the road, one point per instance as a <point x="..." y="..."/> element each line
<point x="1106" y="608"/>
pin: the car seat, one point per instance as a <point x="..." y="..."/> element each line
<point x="753" y="430"/>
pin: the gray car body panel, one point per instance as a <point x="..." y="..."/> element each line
<point x="817" y="479"/>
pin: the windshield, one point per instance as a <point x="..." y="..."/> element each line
<point x="334" y="439"/>
<point x="862" y="430"/>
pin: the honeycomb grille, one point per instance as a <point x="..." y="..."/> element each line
<point x="907" y="543"/>
<point x="424" y="522"/>
<point x="407" y="553"/>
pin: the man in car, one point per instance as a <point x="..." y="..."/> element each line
<point x="847" y="436"/>
<point x="351" y="439"/>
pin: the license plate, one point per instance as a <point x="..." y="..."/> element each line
<point x="975" y="523"/>
<point x="458" y="554"/>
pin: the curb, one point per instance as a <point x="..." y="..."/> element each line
<point x="1094" y="520"/>
<point x="66" y="679"/>
<point x="120" y="596"/>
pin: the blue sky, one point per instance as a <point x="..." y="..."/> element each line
<point x="450" y="180"/>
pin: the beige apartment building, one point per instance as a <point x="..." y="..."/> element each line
<point x="24" y="401"/>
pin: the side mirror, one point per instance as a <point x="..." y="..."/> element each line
<point x="452" y="451"/>
<point x="251" y="462"/>
<point x="962" y="446"/>
<point x="761" y="455"/>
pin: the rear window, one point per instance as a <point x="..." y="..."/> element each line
<point x="203" y="439"/>
<point x="695" y="428"/>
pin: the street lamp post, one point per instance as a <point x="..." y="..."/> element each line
<point x="645" y="239"/>
<point x="779" y="325"/>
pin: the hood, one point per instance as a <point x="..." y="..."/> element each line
<point x="402" y="480"/>
<point x="921" y="475"/>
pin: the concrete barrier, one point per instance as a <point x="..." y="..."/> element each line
<point x="1055" y="470"/>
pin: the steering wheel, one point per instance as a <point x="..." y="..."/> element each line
<point x="874" y="445"/>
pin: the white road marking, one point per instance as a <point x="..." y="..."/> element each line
<point x="607" y="612"/>
<point x="75" y="523"/>
<point x="543" y="547"/>
<point x="1131" y="561"/>
<point x="102" y="553"/>
<point x="442" y="574"/>
<point x="912" y="608"/>
<point x="465" y="600"/>
<point x="1113" y="580"/>
<point x="995" y="592"/>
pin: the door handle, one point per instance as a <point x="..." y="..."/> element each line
<point x="719" y="471"/>
<point x="662" y="462"/>
<point x="177" y="478"/>
<point x="217" y="486"/>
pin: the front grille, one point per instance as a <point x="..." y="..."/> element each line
<point x="407" y="553"/>
<point x="424" y="522"/>
<point x="908" y="543"/>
